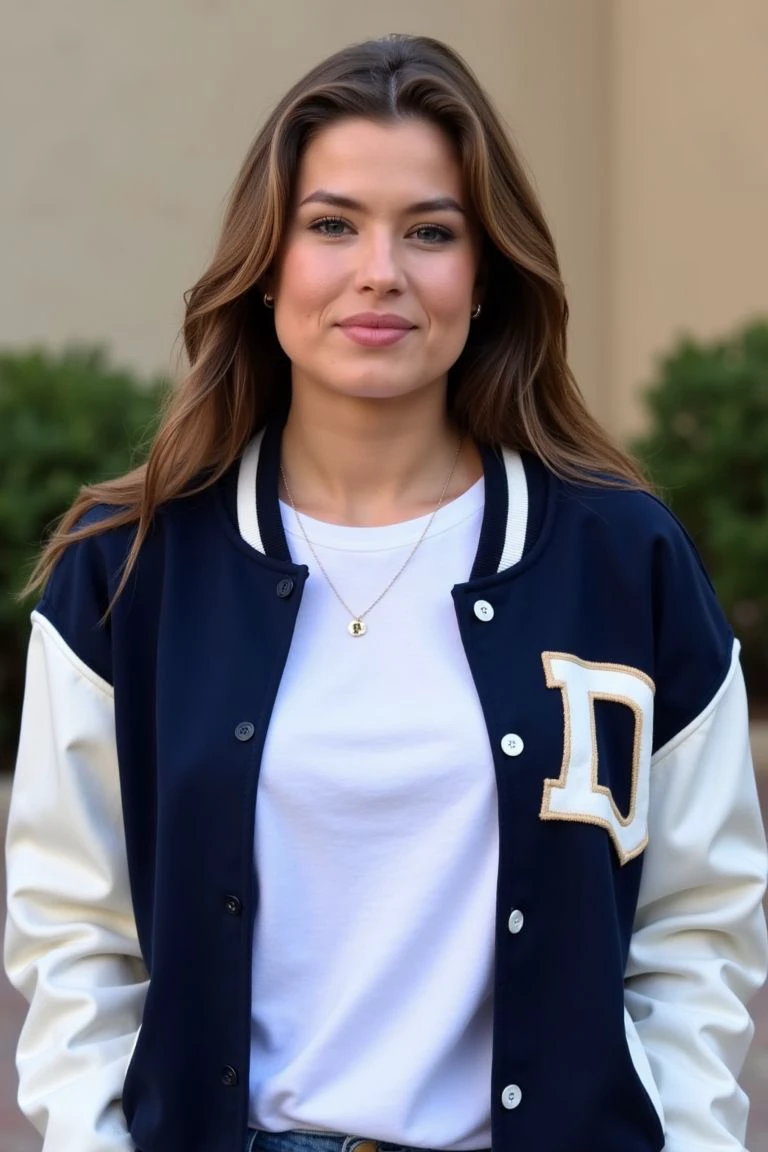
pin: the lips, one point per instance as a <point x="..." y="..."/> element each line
<point x="377" y="320"/>
<point x="374" y="337"/>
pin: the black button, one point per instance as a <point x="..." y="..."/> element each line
<point x="229" y="1076"/>
<point x="284" y="588"/>
<point x="233" y="905"/>
<point x="244" y="731"/>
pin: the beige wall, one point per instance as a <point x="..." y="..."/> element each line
<point x="690" y="178"/>
<point x="644" y="124"/>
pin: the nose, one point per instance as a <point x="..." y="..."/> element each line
<point x="379" y="265"/>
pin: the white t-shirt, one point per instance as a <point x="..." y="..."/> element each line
<point x="376" y="846"/>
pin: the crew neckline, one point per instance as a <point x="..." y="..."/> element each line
<point x="382" y="537"/>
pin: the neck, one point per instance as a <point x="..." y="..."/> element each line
<point x="368" y="463"/>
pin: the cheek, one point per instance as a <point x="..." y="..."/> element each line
<point x="449" y="290"/>
<point x="450" y="300"/>
<point x="306" y="276"/>
<point x="305" y="290"/>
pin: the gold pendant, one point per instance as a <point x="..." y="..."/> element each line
<point x="356" y="628"/>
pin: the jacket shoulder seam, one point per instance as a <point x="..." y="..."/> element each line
<point x="693" y="726"/>
<point x="98" y="682"/>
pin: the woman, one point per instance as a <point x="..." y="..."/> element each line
<point x="502" y="885"/>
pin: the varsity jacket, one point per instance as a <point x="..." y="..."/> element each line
<point x="629" y="934"/>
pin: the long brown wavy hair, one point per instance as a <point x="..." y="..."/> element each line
<point x="511" y="385"/>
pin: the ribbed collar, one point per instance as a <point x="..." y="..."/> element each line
<point x="515" y="497"/>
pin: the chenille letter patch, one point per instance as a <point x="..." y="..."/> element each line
<point x="577" y="794"/>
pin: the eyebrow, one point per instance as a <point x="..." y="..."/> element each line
<point x="438" y="204"/>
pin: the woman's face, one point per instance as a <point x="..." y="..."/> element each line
<point x="380" y="223"/>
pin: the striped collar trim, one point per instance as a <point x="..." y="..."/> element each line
<point x="247" y="517"/>
<point x="505" y="517"/>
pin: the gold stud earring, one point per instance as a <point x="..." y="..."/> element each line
<point x="269" y="301"/>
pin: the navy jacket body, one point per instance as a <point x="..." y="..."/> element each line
<point x="195" y="648"/>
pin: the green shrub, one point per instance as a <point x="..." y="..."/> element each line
<point x="65" y="421"/>
<point x="707" y="452"/>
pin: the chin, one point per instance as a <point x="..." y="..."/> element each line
<point x="372" y="382"/>
<point x="363" y="382"/>
<point x="377" y="390"/>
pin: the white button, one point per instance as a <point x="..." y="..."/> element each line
<point x="483" y="610"/>
<point x="516" y="921"/>
<point x="512" y="744"/>
<point x="511" y="1096"/>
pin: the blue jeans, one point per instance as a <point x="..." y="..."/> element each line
<point x="298" y="1141"/>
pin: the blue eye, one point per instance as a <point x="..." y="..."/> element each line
<point x="440" y="234"/>
<point x="319" y="225"/>
<point x="332" y="226"/>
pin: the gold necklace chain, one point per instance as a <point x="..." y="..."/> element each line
<point x="357" y="626"/>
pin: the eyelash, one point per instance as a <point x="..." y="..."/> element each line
<point x="444" y="236"/>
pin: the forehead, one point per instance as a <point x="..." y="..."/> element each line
<point x="357" y="154"/>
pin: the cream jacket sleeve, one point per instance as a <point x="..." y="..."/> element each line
<point x="699" y="950"/>
<point x="70" y="944"/>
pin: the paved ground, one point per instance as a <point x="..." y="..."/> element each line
<point x="17" y="1135"/>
